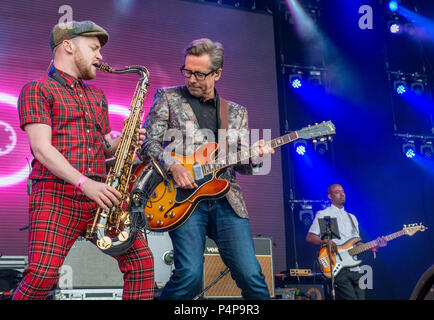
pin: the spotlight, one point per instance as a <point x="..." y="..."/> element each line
<point x="427" y="150"/>
<point x="315" y="77"/>
<point x="295" y="79"/>
<point x="300" y="147"/>
<point x="393" y="6"/>
<point x="400" y="87"/>
<point x="321" y="147"/>
<point x="418" y="86"/>
<point x="306" y="214"/>
<point x="395" y="28"/>
<point x="296" y="83"/>
<point x="409" y="149"/>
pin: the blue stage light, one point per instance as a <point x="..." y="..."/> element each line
<point x="401" y="89"/>
<point x="296" y="83"/>
<point x="395" y="28"/>
<point x="410" y="153"/>
<point x="393" y="6"/>
<point x="300" y="149"/>
<point x="409" y="149"/>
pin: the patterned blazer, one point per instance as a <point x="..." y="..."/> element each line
<point x="171" y="126"/>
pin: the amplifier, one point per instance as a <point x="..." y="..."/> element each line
<point x="226" y="287"/>
<point x="86" y="266"/>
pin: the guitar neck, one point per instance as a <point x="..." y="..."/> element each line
<point x="243" y="156"/>
<point x="371" y="244"/>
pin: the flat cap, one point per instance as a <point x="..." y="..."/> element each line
<point x="69" y="30"/>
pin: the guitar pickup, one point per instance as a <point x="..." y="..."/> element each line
<point x="197" y="171"/>
<point x="324" y="262"/>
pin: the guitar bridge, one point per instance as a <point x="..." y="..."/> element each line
<point x="197" y="170"/>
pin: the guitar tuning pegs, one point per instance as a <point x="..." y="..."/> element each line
<point x="314" y="141"/>
<point x="405" y="226"/>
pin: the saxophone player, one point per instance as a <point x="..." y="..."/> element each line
<point x="67" y="124"/>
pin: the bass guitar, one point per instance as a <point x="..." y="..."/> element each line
<point x="170" y="206"/>
<point x="346" y="253"/>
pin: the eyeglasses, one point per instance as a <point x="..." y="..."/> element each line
<point x="199" y="75"/>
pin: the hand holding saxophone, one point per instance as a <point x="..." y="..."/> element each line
<point x="104" y="195"/>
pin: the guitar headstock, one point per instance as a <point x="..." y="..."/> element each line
<point x="411" y="229"/>
<point x="321" y="130"/>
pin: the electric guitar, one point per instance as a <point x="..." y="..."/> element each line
<point x="345" y="255"/>
<point x="170" y="206"/>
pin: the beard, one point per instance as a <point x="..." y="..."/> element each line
<point x="86" y="70"/>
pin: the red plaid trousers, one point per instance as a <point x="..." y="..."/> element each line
<point x="59" y="214"/>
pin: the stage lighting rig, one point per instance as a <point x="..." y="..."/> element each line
<point x="393" y="6"/>
<point x="321" y="147"/>
<point x="427" y="150"/>
<point x="409" y="149"/>
<point x="418" y="83"/>
<point x="315" y="77"/>
<point x="413" y="145"/>
<point x="300" y="75"/>
<point x="300" y="147"/>
<point x="306" y="214"/>
<point x="296" y="78"/>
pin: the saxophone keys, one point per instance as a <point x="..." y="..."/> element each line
<point x="104" y="243"/>
<point x="127" y="222"/>
<point x="123" y="236"/>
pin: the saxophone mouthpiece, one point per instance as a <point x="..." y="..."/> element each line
<point x="103" y="67"/>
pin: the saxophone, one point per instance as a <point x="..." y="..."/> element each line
<point x="115" y="230"/>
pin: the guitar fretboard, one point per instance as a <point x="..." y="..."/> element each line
<point x="371" y="244"/>
<point x="245" y="155"/>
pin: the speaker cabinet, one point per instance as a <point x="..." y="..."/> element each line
<point x="226" y="287"/>
<point x="86" y="266"/>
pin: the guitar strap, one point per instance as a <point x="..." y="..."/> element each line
<point x="224" y="121"/>
<point x="353" y="224"/>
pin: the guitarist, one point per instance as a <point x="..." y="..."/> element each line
<point x="195" y="113"/>
<point x="347" y="281"/>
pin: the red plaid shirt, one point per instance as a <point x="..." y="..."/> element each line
<point x="78" y="116"/>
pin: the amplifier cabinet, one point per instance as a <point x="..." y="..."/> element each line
<point x="86" y="266"/>
<point x="226" y="287"/>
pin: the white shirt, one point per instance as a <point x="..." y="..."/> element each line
<point x="346" y="229"/>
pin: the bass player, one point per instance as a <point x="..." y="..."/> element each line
<point x="347" y="280"/>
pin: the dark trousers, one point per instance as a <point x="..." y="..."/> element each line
<point x="347" y="286"/>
